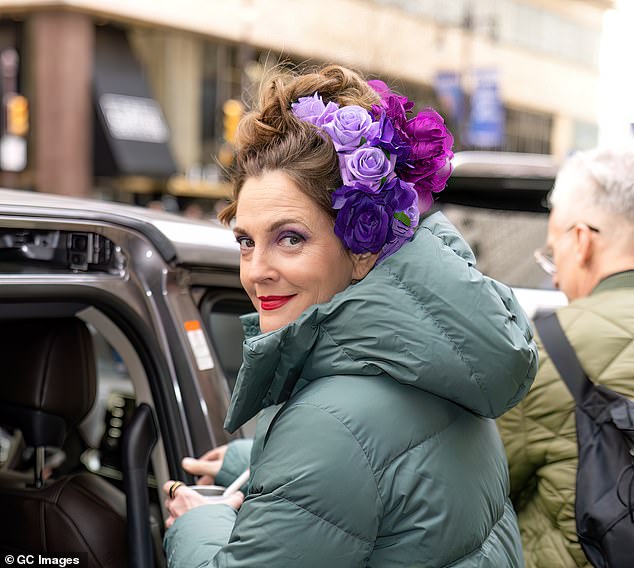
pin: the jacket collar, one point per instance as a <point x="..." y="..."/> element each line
<point x="623" y="279"/>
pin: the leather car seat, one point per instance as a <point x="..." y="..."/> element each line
<point x="47" y="386"/>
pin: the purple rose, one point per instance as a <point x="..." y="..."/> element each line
<point x="366" y="166"/>
<point x="363" y="220"/>
<point x="401" y="198"/>
<point x="396" y="113"/>
<point x="398" y="235"/>
<point x="391" y="246"/>
<point x="348" y="126"/>
<point x="383" y="133"/>
<point x="313" y="110"/>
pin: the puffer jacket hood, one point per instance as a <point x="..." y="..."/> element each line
<point x="403" y="321"/>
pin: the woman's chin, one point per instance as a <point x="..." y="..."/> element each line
<point x="273" y="322"/>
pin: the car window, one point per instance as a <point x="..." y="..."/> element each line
<point x="221" y="315"/>
<point x="114" y="405"/>
<point x="503" y="242"/>
<point x="499" y="202"/>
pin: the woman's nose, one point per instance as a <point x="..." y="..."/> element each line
<point x="261" y="266"/>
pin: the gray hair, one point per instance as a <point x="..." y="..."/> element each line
<point x="602" y="178"/>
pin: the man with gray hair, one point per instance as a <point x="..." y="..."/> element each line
<point x="590" y="255"/>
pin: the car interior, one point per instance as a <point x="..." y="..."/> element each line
<point x="51" y="387"/>
<point x="72" y="385"/>
<point x="67" y="396"/>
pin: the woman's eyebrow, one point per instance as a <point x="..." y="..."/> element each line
<point x="274" y="226"/>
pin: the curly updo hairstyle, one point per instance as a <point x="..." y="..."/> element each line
<point x="270" y="137"/>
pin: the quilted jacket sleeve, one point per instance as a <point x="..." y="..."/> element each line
<point x="302" y="509"/>
<point x="235" y="462"/>
<point x="526" y="449"/>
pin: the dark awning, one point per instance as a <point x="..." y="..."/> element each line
<point x="131" y="136"/>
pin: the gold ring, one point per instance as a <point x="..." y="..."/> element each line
<point x="173" y="487"/>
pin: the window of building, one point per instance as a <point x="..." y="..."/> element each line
<point x="528" y="131"/>
<point x="514" y="22"/>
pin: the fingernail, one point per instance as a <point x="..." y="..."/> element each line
<point x="187" y="461"/>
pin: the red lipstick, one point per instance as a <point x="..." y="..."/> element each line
<point x="273" y="302"/>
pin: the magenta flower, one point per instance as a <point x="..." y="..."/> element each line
<point x="429" y="135"/>
<point x="428" y="166"/>
<point x="380" y="87"/>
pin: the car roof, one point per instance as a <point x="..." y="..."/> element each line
<point x="500" y="180"/>
<point x="503" y="164"/>
<point x="178" y="239"/>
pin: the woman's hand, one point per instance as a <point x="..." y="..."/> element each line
<point x="207" y="466"/>
<point x="185" y="499"/>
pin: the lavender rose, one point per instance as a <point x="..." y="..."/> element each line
<point x="363" y="220"/>
<point x="313" y="110"/>
<point x="366" y="166"/>
<point x="309" y="108"/>
<point x="348" y="127"/>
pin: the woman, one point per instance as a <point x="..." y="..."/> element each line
<point x="377" y="356"/>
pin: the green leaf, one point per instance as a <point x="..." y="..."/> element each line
<point x="400" y="215"/>
<point x="363" y="141"/>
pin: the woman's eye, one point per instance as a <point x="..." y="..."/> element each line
<point x="292" y="240"/>
<point x="245" y="242"/>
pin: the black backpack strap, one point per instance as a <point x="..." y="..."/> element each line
<point x="563" y="356"/>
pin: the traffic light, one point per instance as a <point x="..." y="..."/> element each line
<point x="232" y="110"/>
<point x="17" y="115"/>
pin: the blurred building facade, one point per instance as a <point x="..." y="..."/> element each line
<point x="131" y="97"/>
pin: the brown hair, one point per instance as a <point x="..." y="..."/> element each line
<point x="271" y="137"/>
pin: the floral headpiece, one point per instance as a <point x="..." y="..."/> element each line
<point x="390" y="166"/>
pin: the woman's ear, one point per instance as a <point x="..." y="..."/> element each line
<point x="362" y="264"/>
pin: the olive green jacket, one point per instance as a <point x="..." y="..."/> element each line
<point x="374" y="443"/>
<point x="539" y="433"/>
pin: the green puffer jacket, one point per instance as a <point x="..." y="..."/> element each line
<point x="374" y="444"/>
<point x="539" y="433"/>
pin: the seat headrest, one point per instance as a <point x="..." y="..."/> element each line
<point x="48" y="370"/>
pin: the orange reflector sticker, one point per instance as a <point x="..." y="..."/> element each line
<point x="192" y="325"/>
<point x="199" y="346"/>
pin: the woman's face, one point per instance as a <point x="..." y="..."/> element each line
<point x="290" y="257"/>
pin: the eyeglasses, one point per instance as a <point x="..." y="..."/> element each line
<point x="544" y="256"/>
